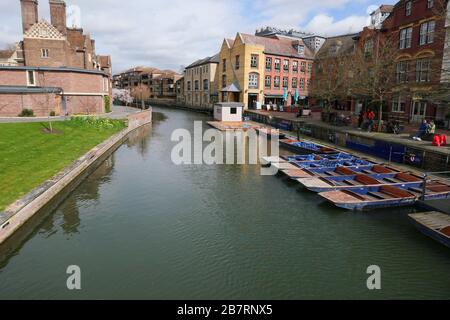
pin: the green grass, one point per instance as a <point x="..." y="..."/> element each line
<point x="29" y="156"/>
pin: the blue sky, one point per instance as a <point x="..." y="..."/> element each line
<point x="172" y="34"/>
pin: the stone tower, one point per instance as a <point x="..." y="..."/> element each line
<point x="29" y="13"/>
<point x="58" y="15"/>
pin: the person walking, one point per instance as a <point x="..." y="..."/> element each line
<point x="370" y="118"/>
<point x="360" y="119"/>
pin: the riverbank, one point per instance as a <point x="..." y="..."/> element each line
<point x="44" y="154"/>
<point x="396" y="148"/>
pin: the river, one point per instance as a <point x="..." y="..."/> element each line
<point x="141" y="227"/>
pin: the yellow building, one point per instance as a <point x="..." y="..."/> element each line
<point x="241" y="72"/>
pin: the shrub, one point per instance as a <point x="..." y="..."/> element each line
<point x="107" y="101"/>
<point x="52" y="113"/>
<point x="98" y="123"/>
<point x="26" y="113"/>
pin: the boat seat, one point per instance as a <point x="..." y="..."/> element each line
<point x="344" y="171"/>
<point x="390" y="180"/>
<point x="367" y="172"/>
<point x="406" y="177"/>
<point x="395" y="192"/>
<point x="351" y="182"/>
<point x="366" y="180"/>
<point x="446" y="231"/>
<point x="379" y="195"/>
<point x="381" y="169"/>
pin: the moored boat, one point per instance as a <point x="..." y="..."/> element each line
<point x="367" y="198"/>
<point x="338" y="171"/>
<point x="356" y="181"/>
<point x="435" y="225"/>
<point x="306" y="157"/>
<point x="305" y="147"/>
<point x="269" y="132"/>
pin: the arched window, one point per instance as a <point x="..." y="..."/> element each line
<point x="253" y="80"/>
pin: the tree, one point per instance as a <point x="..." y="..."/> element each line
<point x="141" y="93"/>
<point x="373" y="69"/>
<point x="122" y="96"/>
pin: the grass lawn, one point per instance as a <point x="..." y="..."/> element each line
<point x="29" y="155"/>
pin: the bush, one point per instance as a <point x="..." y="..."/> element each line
<point x="107" y="101"/>
<point x="98" y="123"/>
<point x="26" y="113"/>
<point x="52" y="113"/>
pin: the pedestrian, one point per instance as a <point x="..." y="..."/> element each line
<point x="360" y="119"/>
<point x="370" y="118"/>
<point x="431" y="129"/>
<point x="422" y="131"/>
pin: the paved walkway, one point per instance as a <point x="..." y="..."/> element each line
<point x="118" y="112"/>
<point x="402" y="139"/>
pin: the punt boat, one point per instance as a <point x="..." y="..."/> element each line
<point x="309" y="157"/>
<point x="320" y="163"/>
<point x="384" y="196"/>
<point x="296" y="173"/>
<point x="435" y="225"/>
<point x="271" y="133"/>
<point x="355" y="182"/>
<point x="305" y="147"/>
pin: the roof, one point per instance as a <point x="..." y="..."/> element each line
<point x="24" y="89"/>
<point x="231" y="88"/>
<point x="229" y="42"/>
<point x="337" y="45"/>
<point x="386" y="8"/>
<point x="207" y="60"/>
<point x="278" y="46"/>
<point x="61" y="69"/>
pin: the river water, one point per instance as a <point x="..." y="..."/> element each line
<point x="141" y="227"/>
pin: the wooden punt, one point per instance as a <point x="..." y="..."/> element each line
<point x="368" y="197"/>
<point x="271" y="133"/>
<point x="339" y="171"/>
<point x="306" y="157"/>
<point x="305" y="147"/>
<point x="356" y="181"/>
<point x="435" y="225"/>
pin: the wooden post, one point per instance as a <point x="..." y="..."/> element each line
<point x="424" y="186"/>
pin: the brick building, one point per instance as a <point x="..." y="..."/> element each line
<point x="200" y="83"/>
<point x="264" y="70"/>
<point x="53" y="64"/>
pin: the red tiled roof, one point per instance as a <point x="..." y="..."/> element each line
<point x="278" y="46"/>
<point x="386" y="8"/>
<point x="6" y="54"/>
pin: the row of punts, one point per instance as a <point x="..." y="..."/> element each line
<point x="355" y="183"/>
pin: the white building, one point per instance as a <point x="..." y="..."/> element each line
<point x="228" y="111"/>
<point x="378" y="16"/>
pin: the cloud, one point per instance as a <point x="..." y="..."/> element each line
<point x="168" y="34"/>
<point x="327" y="26"/>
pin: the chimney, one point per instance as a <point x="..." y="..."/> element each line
<point x="58" y="15"/>
<point x="29" y="13"/>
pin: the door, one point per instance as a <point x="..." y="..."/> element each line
<point x="252" y="99"/>
<point x="419" y="111"/>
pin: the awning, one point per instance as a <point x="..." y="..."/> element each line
<point x="273" y="96"/>
<point x="231" y="88"/>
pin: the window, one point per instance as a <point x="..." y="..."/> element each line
<point x="302" y="83"/>
<point x="268" y="63"/>
<point x="268" y="82"/>
<point x="310" y="66"/>
<point x="233" y="110"/>
<point x="427" y="32"/>
<point x="189" y="86"/>
<point x="238" y="62"/>
<point x="276" y="82"/>
<point x="205" y="84"/>
<point x="44" y="53"/>
<point x="196" y="85"/>
<point x="254" y="61"/>
<point x="31" y="81"/>
<point x="423" y="73"/>
<point x="286" y="65"/>
<point x="285" y="82"/>
<point x="295" y="66"/>
<point x="368" y="48"/>
<point x="277" y="64"/>
<point x="402" y="72"/>
<point x="398" y="104"/>
<point x="224" y="63"/>
<point x="408" y="8"/>
<point x="253" y="81"/>
<point x="430" y="4"/>
<point x="303" y="67"/>
<point x="308" y="82"/>
<point x="224" y="81"/>
<point x="405" y="38"/>
<point x="294" y="82"/>
<point x="301" y="49"/>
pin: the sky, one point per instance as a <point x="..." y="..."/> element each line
<point x="170" y="34"/>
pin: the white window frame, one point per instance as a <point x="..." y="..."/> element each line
<point x="253" y="80"/>
<point x="302" y="84"/>
<point x="29" y="83"/>
<point x="427" y="32"/>
<point x="254" y="60"/>
<point x="408" y="8"/>
<point x="397" y="103"/>
<point x="405" y="38"/>
<point x="423" y="70"/>
<point x="402" y="75"/>
<point x="268" y="82"/>
<point x="45" y="53"/>
<point x="430" y="4"/>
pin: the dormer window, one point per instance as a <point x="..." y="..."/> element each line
<point x="301" y="49"/>
<point x="408" y="8"/>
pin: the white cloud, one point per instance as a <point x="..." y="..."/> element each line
<point x="327" y="26"/>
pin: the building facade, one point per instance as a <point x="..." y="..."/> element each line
<point x="257" y="70"/>
<point x="200" y="83"/>
<point x="54" y="64"/>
